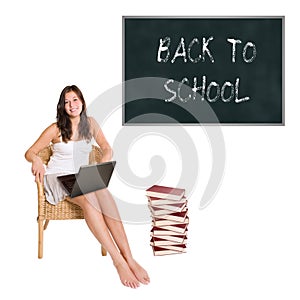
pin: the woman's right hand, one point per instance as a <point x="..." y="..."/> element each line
<point x="38" y="169"/>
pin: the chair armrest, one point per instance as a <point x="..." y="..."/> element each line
<point x="95" y="155"/>
<point x="41" y="199"/>
<point x="40" y="188"/>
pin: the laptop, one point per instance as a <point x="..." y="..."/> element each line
<point x="89" y="178"/>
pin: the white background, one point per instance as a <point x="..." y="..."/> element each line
<point x="244" y="245"/>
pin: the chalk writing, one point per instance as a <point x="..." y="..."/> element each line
<point x="211" y="92"/>
<point x="164" y="44"/>
<point x="214" y="90"/>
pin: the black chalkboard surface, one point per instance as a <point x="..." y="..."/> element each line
<point x="227" y="70"/>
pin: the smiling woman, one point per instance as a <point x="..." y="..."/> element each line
<point x="70" y="138"/>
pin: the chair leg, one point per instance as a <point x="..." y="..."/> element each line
<point x="46" y="224"/>
<point x="103" y="251"/>
<point x="40" y="237"/>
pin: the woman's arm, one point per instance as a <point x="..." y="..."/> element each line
<point x="101" y="141"/>
<point x="31" y="154"/>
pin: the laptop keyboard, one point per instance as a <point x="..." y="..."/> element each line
<point x="68" y="184"/>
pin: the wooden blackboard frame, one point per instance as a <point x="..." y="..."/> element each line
<point x="197" y="121"/>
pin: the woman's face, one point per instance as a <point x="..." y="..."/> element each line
<point x="73" y="104"/>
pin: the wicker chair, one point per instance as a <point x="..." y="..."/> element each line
<point x="64" y="210"/>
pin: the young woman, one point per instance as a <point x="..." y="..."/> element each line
<point x="71" y="139"/>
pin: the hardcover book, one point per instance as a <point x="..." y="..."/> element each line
<point x="177" y="216"/>
<point x="157" y="231"/>
<point x="158" y="251"/>
<point x="169" y="208"/>
<point x="164" y="222"/>
<point x="165" y="240"/>
<point x="159" y="201"/>
<point x="165" y="192"/>
<point x="177" y="238"/>
<point x="181" y="228"/>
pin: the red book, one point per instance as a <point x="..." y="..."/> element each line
<point x="161" y="212"/>
<point x="163" y="201"/>
<point x="165" y="192"/>
<point x="164" y="222"/>
<point x="176" y="216"/>
<point x="165" y="251"/>
<point x="167" y="209"/>
<point x="177" y="228"/>
<point x="164" y="240"/>
<point x="158" y="231"/>
<point x="177" y="247"/>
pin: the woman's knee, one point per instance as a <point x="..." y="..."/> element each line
<point x="86" y="201"/>
<point x="93" y="200"/>
<point x="79" y="200"/>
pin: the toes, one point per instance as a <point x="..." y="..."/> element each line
<point x="145" y="280"/>
<point x="131" y="284"/>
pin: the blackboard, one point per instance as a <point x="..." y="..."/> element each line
<point x="191" y="70"/>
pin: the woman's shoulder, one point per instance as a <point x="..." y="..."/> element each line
<point x="52" y="130"/>
<point x="91" y="119"/>
<point x="93" y="123"/>
<point x="94" y="126"/>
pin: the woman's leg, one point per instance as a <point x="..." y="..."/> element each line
<point x="104" y="201"/>
<point x="98" y="227"/>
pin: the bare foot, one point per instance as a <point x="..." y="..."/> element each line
<point x="126" y="275"/>
<point x="139" y="272"/>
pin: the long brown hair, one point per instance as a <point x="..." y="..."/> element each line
<point x="63" y="120"/>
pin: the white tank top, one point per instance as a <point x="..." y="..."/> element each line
<point x="68" y="157"/>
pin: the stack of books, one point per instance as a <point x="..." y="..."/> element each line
<point x="169" y="213"/>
